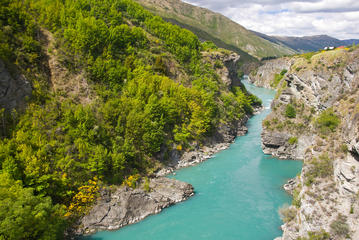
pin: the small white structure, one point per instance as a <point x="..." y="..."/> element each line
<point x="329" y="48"/>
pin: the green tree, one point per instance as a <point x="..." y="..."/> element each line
<point x="26" y="216"/>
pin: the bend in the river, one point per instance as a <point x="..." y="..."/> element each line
<point x="238" y="194"/>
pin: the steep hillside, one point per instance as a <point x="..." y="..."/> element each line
<point x="215" y="27"/>
<point x="103" y="93"/>
<point x="315" y="119"/>
<point x="308" y="43"/>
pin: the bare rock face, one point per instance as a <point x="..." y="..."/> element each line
<point x="13" y="90"/>
<point x="326" y="80"/>
<point x="225" y="65"/>
<point x="266" y="72"/>
<point x="277" y="144"/>
<point x="125" y="206"/>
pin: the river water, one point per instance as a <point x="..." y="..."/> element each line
<point x="238" y="194"/>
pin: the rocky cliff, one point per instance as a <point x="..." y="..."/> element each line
<point x="264" y="75"/>
<point x="315" y="118"/>
<point x="14" y="88"/>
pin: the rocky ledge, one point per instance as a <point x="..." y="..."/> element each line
<point x="123" y="205"/>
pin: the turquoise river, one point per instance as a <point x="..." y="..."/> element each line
<point x="238" y="194"/>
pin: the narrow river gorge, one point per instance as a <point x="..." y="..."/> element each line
<point x="238" y="193"/>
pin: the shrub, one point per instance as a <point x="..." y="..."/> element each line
<point x="208" y="45"/>
<point x="290" y="111"/>
<point x="240" y="73"/>
<point x="327" y="121"/>
<point x="218" y="64"/>
<point x="339" y="226"/>
<point x="321" y="235"/>
<point x="266" y="123"/>
<point x="287" y="213"/>
<point x="84" y="198"/>
<point x="309" y="55"/>
<point x="296" y="198"/>
<point x="159" y="65"/>
<point x="284" y="71"/>
<point x="293" y="140"/>
<point x="131" y="181"/>
<point x="344" y="148"/>
<point x="278" y="78"/>
<point x="147" y="185"/>
<point x="321" y="167"/>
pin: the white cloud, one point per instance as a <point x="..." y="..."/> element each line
<point x="337" y="18"/>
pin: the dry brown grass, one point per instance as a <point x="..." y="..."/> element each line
<point x="63" y="82"/>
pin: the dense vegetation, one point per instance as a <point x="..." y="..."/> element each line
<point x="56" y="153"/>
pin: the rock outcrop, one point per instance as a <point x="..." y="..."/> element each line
<point x="326" y="192"/>
<point x="264" y="74"/>
<point x="225" y="64"/>
<point x="13" y="89"/>
<point x="123" y="205"/>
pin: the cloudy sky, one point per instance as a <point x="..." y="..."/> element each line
<point x="337" y="18"/>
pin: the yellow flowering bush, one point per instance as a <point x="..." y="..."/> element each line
<point x="85" y="197"/>
<point x="131" y="181"/>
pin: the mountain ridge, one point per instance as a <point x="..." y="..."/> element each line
<point x="217" y="26"/>
<point x="308" y="43"/>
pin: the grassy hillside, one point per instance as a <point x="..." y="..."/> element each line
<point x="216" y="26"/>
<point x="113" y="86"/>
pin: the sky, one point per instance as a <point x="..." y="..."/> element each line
<point x="336" y="18"/>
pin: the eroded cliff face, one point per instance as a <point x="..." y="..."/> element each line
<point x="264" y="75"/>
<point x="315" y="118"/>
<point x="225" y="65"/>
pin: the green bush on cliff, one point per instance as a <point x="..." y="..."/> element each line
<point x="339" y="227"/>
<point x="320" y="167"/>
<point x="287" y="213"/>
<point x="208" y="45"/>
<point x="278" y="78"/>
<point x="320" y="235"/>
<point x="293" y="140"/>
<point x="290" y="111"/>
<point x="327" y="121"/>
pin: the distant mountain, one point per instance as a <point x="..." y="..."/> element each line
<point x="308" y="43"/>
<point x="215" y="27"/>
